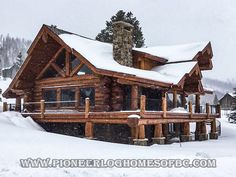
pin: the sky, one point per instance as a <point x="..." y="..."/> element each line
<point x="164" y="22"/>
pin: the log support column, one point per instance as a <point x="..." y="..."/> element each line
<point x="175" y="102"/>
<point x="186" y="133"/>
<point x="183" y="100"/>
<point x="214" y="133"/>
<point x="18" y="104"/>
<point x="139" y="135"/>
<point x="197" y="104"/>
<point x="89" y="130"/>
<point x="203" y="132"/>
<point x="158" y="135"/>
<point x="134" y="97"/>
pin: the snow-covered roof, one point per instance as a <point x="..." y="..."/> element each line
<point x="100" y="55"/>
<point x="175" y="70"/>
<point x="208" y="89"/>
<point x="175" y="52"/>
<point x="232" y="94"/>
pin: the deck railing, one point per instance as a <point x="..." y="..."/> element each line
<point x="44" y="107"/>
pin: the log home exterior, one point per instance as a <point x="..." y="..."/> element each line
<point x="68" y="78"/>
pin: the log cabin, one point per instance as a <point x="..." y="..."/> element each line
<point x="114" y="92"/>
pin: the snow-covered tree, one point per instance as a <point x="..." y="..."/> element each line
<point x="106" y="34"/>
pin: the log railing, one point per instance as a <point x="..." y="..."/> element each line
<point x="43" y="111"/>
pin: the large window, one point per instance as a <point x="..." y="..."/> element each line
<point x="84" y="70"/>
<point x="74" y="62"/>
<point x="87" y="93"/>
<point x="50" y="97"/>
<point x="50" y="72"/>
<point x="68" y="97"/>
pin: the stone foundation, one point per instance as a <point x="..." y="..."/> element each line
<point x="214" y="135"/>
<point x="185" y="138"/>
<point x="203" y="137"/>
<point x="140" y="142"/>
<point x="160" y="140"/>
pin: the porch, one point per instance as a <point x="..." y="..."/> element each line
<point x="165" y="122"/>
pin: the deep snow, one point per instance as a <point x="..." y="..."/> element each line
<point x="20" y="139"/>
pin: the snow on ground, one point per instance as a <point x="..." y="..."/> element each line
<point x="19" y="138"/>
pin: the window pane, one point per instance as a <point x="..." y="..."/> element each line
<point x="74" y="62"/>
<point x="60" y="61"/>
<point x="50" y="96"/>
<point x="84" y="70"/>
<point x="50" y="72"/>
<point x="87" y="93"/>
<point x="68" y="95"/>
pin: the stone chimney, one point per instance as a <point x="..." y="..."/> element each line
<point x="123" y="43"/>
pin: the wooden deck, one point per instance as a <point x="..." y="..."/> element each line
<point x="148" y="117"/>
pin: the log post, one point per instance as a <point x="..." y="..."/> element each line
<point x="175" y="99"/>
<point x="134" y="97"/>
<point x="142" y="104"/>
<point x="87" y="107"/>
<point x="198" y="130"/>
<point x="183" y="100"/>
<point x="207" y="110"/>
<point x="141" y="141"/>
<point x="214" y="133"/>
<point x="218" y="110"/>
<point x="5" y="107"/>
<point x="42" y="108"/>
<point x="141" y="131"/>
<point x="18" y="104"/>
<point x="134" y="132"/>
<point x="203" y="135"/>
<point x="186" y="133"/>
<point x="190" y="106"/>
<point x="197" y="103"/>
<point x="89" y="130"/>
<point x="158" y="135"/>
<point x="164" y="105"/>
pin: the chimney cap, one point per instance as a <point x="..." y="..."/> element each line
<point x="123" y="24"/>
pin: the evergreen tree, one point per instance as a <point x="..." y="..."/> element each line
<point x="19" y="60"/>
<point x="106" y="34"/>
<point x="232" y="115"/>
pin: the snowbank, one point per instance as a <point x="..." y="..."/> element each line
<point x="17" y="143"/>
<point x="17" y="120"/>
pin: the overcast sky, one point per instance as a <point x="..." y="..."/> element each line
<point x="162" y="21"/>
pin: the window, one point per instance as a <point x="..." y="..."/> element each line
<point x="60" y="61"/>
<point x="50" y="73"/>
<point x="50" y="96"/>
<point x="84" y="70"/>
<point x="68" y="97"/>
<point x="74" y="62"/>
<point x="127" y="97"/>
<point x="87" y="93"/>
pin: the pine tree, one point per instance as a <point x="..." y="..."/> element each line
<point x="232" y="115"/>
<point x="19" y="60"/>
<point x="106" y="34"/>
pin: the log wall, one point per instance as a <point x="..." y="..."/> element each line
<point x="101" y="85"/>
